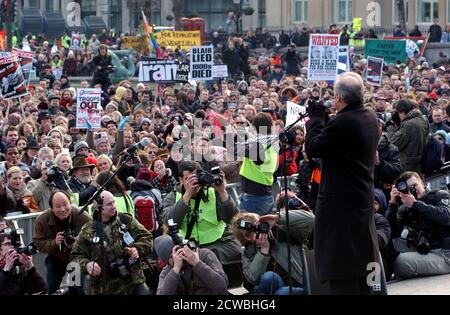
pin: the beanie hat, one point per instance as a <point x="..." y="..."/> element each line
<point x="79" y="145"/>
<point x="163" y="246"/>
<point x="92" y="160"/>
<point x="145" y="120"/>
<point x="442" y="133"/>
<point x="56" y="129"/>
<point x="24" y="167"/>
<point x="100" y="141"/>
<point x="144" y="174"/>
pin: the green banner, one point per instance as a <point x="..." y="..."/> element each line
<point x="390" y="50"/>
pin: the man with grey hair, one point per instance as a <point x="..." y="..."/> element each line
<point x="345" y="239"/>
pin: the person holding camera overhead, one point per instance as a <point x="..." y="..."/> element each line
<point x="55" y="231"/>
<point x="264" y="237"/>
<point x="202" y="208"/>
<point x="189" y="271"/>
<point x="127" y="242"/>
<point x="18" y="276"/>
<point x="420" y="222"/>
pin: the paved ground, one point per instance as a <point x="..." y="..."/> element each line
<point x="438" y="285"/>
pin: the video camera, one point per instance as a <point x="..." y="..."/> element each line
<point x="205" y="178"/>
<point x="177" y="239"/>
<point x="56" y="178"/>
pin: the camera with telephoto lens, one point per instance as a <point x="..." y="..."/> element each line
<point x="177" y="239"/>
<point x="205" y="178"/>
<point x="260" y="228"/>
<point x="28" y="250"/>
<point x="69" y="237"/>
<point x="14" y="236"/>
<point x="56" y="177"/>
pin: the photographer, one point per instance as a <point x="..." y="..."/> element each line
<point x="264" y="238"/>
<point x="189" y="271"/>
<point x="127" y="243"/>
<point x="202" y="210"/>
<point x="419" y="219"/>
<point x="18" y="276"/>
<point x="102" y="68"/>
<point x="55" y="231"/>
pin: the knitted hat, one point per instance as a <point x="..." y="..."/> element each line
<point x="441" y="133"/>
<point x="163" y="246"/>
<point x="56" y="129"/>
<point x="143" y="121"/>
<point x="100" y="141"/>
<point x="79" y="145"/>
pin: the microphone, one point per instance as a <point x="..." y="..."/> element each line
<point x="140" y="145"/>
<point x="328" y="104"/>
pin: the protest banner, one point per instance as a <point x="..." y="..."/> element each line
<point x="202" y="63"/>
<point x="138" y="43"/>
<point x="11" y="77"/>
<point x="89" y="108"/>
<point x="344" y="60"/>
<point x="293" y="112"/>
<point x="420" y="41"/>
<point x="374" y="72"/>
<point x="157" y="70"/>
<point x="182" y="39"/>
<point x="26" y="62"/>
<point x="183" y="72"/>
<point x="75" y="41"/>
<point x="390" y="50"/>
<point x="220" y="71"/>
<point x="323" y="57"/>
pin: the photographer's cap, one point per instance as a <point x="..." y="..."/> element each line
<point x="163" y="246"/>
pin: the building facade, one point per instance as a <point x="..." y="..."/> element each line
<point x="124" y="15"/>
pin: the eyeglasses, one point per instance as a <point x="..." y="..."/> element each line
<point x="241" y="123"/>
<point x="151" y="152"/>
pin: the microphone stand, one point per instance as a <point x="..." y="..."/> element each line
<point x="283" y="139"/>
<point x="98" y="222"/>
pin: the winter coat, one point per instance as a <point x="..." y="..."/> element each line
<point x="255" y="263"/>
<point x="390" y="167"/>
<point x="30" y="282"/>
<point x="232" y="59"/>
<point x="435" y="32"/>
<point x="84" y="191"/>
<point x="206" y="278"/>
<point x="345" y="239"/>
<point x="292" y="61"/>
<point x="46" y="228"/>
<point x="410" y="138"/>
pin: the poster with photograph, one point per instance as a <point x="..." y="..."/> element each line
<point x="323" y="57"/>
<point x="374" y="73"/>
<point x="11" y="77"/>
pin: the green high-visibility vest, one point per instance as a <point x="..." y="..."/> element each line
<point x="261" y="174"/>
<point x="208" y="228"/>
<point x="65" y="41"/>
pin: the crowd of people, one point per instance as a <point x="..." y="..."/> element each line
<point x="166" y="224"/>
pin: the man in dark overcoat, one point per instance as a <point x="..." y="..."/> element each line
<point x="345" y="240"/>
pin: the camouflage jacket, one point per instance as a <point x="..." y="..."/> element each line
<point x="87" y="249"/>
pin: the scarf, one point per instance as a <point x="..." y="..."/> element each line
<point x="18" y="193"/>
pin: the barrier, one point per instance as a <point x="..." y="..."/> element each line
<point x="438" y="181"/>
<point x="234" y="189"/>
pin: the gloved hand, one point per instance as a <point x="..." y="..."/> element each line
<point x="122" y="123"/>
<point x="316" y="109"/>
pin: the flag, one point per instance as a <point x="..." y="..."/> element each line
<point x="156" y="46"/>
<point x="148" y="31"/>
<point x="2" y="40"/>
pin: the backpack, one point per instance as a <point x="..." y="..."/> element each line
<point x="433" y="156"/>
<point x="147" y="209"/>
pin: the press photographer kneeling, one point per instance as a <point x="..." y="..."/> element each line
<point x="420" y="222"/>
<point x="265" y="254"/>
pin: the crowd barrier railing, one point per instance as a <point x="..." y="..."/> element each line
<point x="234" y="189"/>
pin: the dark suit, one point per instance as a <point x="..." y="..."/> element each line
<point x="345" y="238"/>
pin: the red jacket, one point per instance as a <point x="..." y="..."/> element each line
<point x="291" y="156"/>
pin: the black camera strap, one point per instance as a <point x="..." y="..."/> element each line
<point x="193" y="218"/>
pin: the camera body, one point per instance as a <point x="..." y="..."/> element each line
<point x="69" y="237"/>
<point x="14" y="235"/>
<point x="177" y="239"/>
<point x="260" y="228"/>
<point x="402" y="186"/>
<point x="56" y="178"/>
<point x="120" y="268"/>
<point x="205" y="178"/>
